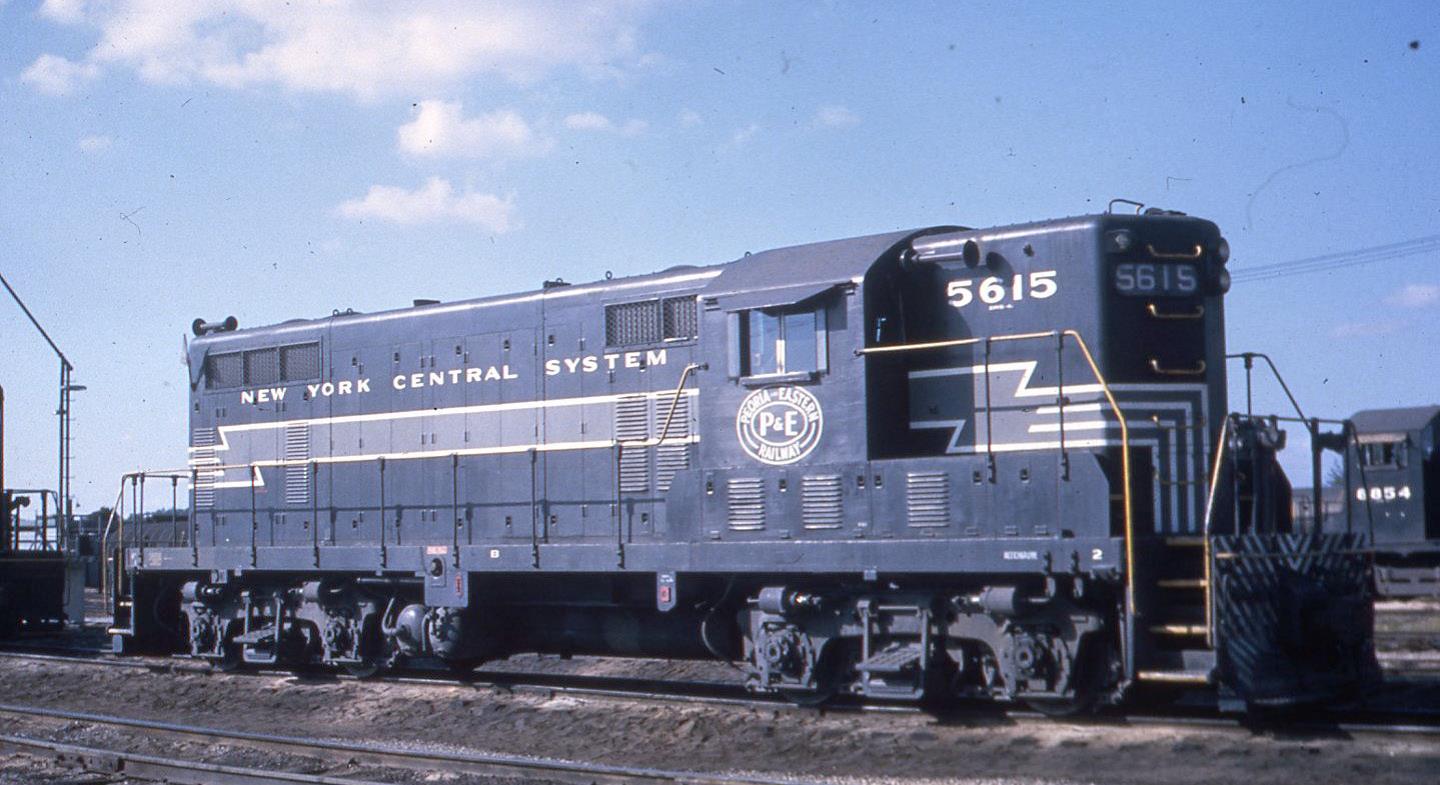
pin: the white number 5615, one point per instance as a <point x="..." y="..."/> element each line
<point x="994" y="289"/>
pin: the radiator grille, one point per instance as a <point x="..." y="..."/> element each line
<point x="297" y="475"/>
<point x="630" y="324"/>
<point x="632" y="424"/>
<point x="262" y="366"/>
<point x="671" y="457"/>
<point x="680" y="319"/>
<point x="746" y="498"/>
<point x="225" y="370"/>
<point x="822" y="502"/>
<point x="300" y="361"/>
<point x="927" y="499"/>
<point x="203" y="440"/>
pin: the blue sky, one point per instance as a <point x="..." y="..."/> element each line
<point x="161" y="161"/>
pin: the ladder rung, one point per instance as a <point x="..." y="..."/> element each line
<point x="1188" y="541"/>
<point x="1179" y="629"/>
<point x="1181" y="583"/>
<point x="124" y="603"/>
<point x="118" y="631"/>
<point x="1181" y="677"/>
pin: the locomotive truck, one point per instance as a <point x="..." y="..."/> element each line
<point x="993" y="463"/>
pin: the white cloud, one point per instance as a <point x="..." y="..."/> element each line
<point x="594" y="121"/>
<point x="743" y="135"/>
<point x="434" y="202"/>
<point x="1415" y="295"/>
<point x="588" y="121"/>
<point x="835" y="117"/>
<point x="690" y="118"/>
<point x="95" y="144"/>
<point x="54" y="75"/>
<point x="440" y="128"/>
<point x="66" y="11"/>
<point x="1364" y="329"/>
<point x="363" y="49"/>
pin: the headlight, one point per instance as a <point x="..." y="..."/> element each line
<point x="1222" y="251"/>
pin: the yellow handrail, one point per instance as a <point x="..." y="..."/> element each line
<point x="1124" y="469"/>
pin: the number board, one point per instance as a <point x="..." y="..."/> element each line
<point x="1144" y="279"/>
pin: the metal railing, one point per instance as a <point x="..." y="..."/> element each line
<point x="46" y="530"/>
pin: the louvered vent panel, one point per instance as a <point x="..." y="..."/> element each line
<point x="927" y="499"/>
<point x="674" y="454"/>
<point x="822" y="502"/>
<point x="297" y="475"/>
<point x="746" y="499"/>
<point x="203" y="440"/>
<point x="632" y="425"/>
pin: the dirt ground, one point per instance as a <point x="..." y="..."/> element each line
<point x="859" y="747"/>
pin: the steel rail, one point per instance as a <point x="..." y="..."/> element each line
<point x="132" y="765"/>
<point x="721" y="694"/>
<point x="395" y="756"/>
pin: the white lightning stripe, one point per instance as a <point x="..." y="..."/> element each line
<point x="223" y="442"/>
<point x="509" y="449"/>
<point x="1027" y="368"/>
<point x="1084" y="425"/>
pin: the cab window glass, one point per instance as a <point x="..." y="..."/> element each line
<point x="776" y="342"/>
<point x="1382" y="454"/>
<point x="764" y="340"/>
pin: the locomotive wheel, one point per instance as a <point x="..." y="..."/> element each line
<point x="833" y="664"/>
<point x="362" y="670"/>
<point x="1062" y="707"/>
<point x="230" y="660"/>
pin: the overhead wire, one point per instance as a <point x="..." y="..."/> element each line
<point x="1335" y="261"/>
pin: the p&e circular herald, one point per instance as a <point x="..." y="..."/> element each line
<point x="779" y="425"/>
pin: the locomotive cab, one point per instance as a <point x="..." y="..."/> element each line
<point x="1392" y="478"/>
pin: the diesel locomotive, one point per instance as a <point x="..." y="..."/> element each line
<point x="1390" y="489"/>
<point x="987" y="463"/>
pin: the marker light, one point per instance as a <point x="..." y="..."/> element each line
<point x="1222" y="251"/>
<point x="1222" y="282"/>
<point x="1120" y="241"/>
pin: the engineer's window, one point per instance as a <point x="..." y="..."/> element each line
<point x="1382" y="454"/>
<point x="782" y="342"/>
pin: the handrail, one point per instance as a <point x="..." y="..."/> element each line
<point x="1249" y="358"/>
<point x="1109" y="397"/>
<point x="1220" y="446"/>
<point x="619" y="447"/>
<point x="45" y="520"/>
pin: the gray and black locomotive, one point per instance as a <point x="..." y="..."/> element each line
<point x="989" y="463"/>
<point x="1390" y="489"/>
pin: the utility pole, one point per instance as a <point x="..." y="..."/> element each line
<point x="62" y="488"/>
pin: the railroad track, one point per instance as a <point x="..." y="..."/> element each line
<point x="336" y="752"/>
<point x="1422" y="722"/>
<point x="632" y="688"/>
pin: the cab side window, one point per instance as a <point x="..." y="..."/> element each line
<point x="1383" y="454"/>
<point x="768" y="342"/>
